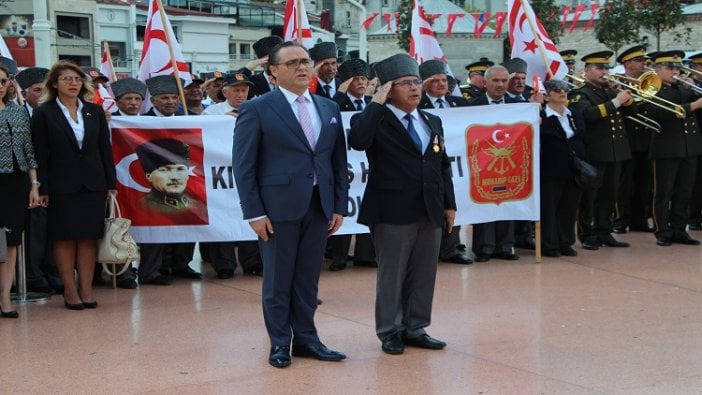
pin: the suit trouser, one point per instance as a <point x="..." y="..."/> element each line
<point x="597" y="204"/>
<point x="224" y="255"/>
<point x="363" y="250"/>
<point x="292" y="259"/>
<point x="672" y="187"/>
<point x="493" y="237"/>
<point x="634" y="193"/>
<point x="559" y="204"/>
<point x="41" y="270"/>
<point x="407" y="264"/>
<point x="157" y="259"/>
<point x="696" y="198"/>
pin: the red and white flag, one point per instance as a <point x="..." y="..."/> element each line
<point x="296" y="26"/>
<point x="106" y="67"/>
<point x="366" y="24"/>
<point x="530" y="42"/>
<point x="103" y="98"/>
<point x="4" y="51"/>
<point x="155" y="54"/>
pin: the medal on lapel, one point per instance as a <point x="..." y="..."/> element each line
<point x="436" y="147"/>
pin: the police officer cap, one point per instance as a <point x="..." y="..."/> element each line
<point x="396" y="66"/>
<point x="323" y="51"/>
<point x="31" y="76"/>
<point x="94" y="73"/>
<point x="128" y="85"/>
<point x="479" y="66"/>
<point x="236" y="79"/>
<point x="668" y="58"/>
<point x="431" y="67"/>
<point x="600" y="58"/>
<point x="353" y="68"/>
<point x="162" y="84"/>
<point x="161" y="152"/>
<point x="569" y="56"/>
<point x="515" y="65"/>
<point x="264" y="45"/>
<point x="9" y="64"/>
<point x="633" y="53"/>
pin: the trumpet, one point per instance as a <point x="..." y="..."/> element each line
<point x="645" y="89"/>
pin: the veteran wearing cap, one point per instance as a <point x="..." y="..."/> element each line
<point x="569" y="58"/>
<point x="476" y="79"/>
<point x="517" y="88"/>
<point x="607" y="147"/>
<point x="31" y="82"/>
<point x="263" y="82"/>
<point x="324" y="56"/>
<point x="96" y="77"/>
<point x="193" y="95"/>
<point x="212" y="86"/>
<point x="408" y="200"/>
<point x="634" y="191"/>
<point x="674" y="151"/>
<point x="236" y="91"/>
<point x="129" y="96"/>
<point x="164" y="96"/>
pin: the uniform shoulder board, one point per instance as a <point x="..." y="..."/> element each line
<point x="575" y="98"/>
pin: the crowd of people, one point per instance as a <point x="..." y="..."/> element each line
<point x="290" y="167"/>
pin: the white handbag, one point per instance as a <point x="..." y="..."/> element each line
<point x="117" y="246"/>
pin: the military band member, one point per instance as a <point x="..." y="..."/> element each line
<point x="607" y="147"/>
<point x="634" y="194"/>
<point x="569" y="58"/>
<point x="695" y="221"/>
<point x="674" y="151"/>
<point x="476" y="79"/>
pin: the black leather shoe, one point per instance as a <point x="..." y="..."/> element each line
<point x="610" y="241"/>
<point x="551" y="253"/>
<point x="619" y="229"/>
<point x="161" y="279"/>
<point x="279" y="356"/>
<point x="507" y="256"/>
<point x="8" y="314"/>
<point x="318" y="351"/>
<point x="590" y="245"/>
<point x="641" y="228"/>
<point x="225" y="274"/>
<point x="366" y="263"/>
<point x="126" y="283"/>
<point x="482" y="257"/>
<point x="568" y="252"/>
<point x="187" y="272"/>
<point x="695" y="226"/>
<point x="337" y="266"/>
<point x="685" y="239"/>
<point x="393" y="345"/>
<point x="424" y="341"/>
<point x="90" y="305"/>
<point x="459" y="259"/>
<point x="663" y="241"/>
<point x="73" y="306"/>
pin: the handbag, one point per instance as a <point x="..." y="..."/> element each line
<point x="585" y="174"/>
<point x="116" y="246"/>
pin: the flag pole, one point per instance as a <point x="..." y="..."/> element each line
<point x="537" y="38"/>
<point x="113" y="75"/>
<point x="176" y="72"/>
<point x="298" y="20"/>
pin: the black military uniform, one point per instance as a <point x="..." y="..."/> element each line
<point x="634" y="191"/>
<point x="695" y="220"/>
<point x="674" y="153"/>
<point x="568" y="56"/>
<point x="470" y="91"/>
<point x="607" y="147"/>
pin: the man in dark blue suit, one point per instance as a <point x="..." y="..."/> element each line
<point x="289" y="161"/>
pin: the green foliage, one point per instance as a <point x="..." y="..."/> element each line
<point x="659" y="16"/>
<point x="617" y="24"/>
<point x="405" y="23"/>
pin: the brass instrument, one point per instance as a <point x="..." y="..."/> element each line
<point x="688" y="71"/>
<point x="685" y="73"/>
<point x="579" y="82"/>
<point x="645" y="89"/>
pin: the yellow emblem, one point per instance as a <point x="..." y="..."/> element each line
<point x="575" y="99"/>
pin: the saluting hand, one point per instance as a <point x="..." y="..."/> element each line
<point x="344" y="85"/>
<point x="381" y="95"/>
<point x="372" y="86"/>
<point x="263" y="227"/>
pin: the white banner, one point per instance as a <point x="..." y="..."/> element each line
<point x="493" y="152"/>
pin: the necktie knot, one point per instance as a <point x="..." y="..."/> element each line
<point x="440" y="103"/>
<point x="359" y="104"/>
<point x="327" y="90"/>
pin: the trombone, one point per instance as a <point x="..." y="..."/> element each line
<point x="686" y="72"/>
<point x="645" y="89"/>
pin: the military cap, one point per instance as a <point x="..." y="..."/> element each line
<point x="353" y="68"/>
<point x="371" y="70"/>
<point x="236" y="79"/>
<point x="600" y="58"/>
<point x="31" y="76"/>
<point x="194" y="80"/>
<point x="216" y="75"/>
<point x="324" y="50"/>
<point x="128" y="85"/>
<point x="9" y="64"/>
<point x="161" y="152"/>
<point x="432" y="67"/>
<point x="264" y="45"/>
<point x="479" y="66"/>
<point x="162" y="84"/>
<point x="396" y="66"/>
<point x="515" y="65"/>
<point x="451" y="83"/>
<point x="696" y="58"/>
<point x="668" y="58"/>
<point x="94" y="73"/>
<point x="633" y="53"/>
<point x="569" y="56"/>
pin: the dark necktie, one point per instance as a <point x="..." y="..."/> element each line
<point x="359" y="104"/>
<point x="440" y="103"/>
<point x="413" y="133"/>
<point x="327" y="88"/>
<point x="496" y="102"/>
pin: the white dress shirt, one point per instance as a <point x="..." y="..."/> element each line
<point x="79" y="126"/>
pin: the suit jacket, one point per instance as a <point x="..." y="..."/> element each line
<point x="403" y="184"/>
<point x="274" y="165"/>
<point x="179" y="112"/>
<point x="63" y="166"/>
<point x="260" y="83"/>
<point x="320" y="86"/>
<point x="345" y="104"/>
<point x="483" y="100"/>
<point x="679" y="137"/>
<point x="452" y="101"/>
<point x="556" y="161"/>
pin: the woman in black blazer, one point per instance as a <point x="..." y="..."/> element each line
<point x="17" y="172"/>
<point x="76" y="172"/>
<point x="562" y="133"/>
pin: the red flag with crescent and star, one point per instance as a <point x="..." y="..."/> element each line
<point x="530" y="42"/>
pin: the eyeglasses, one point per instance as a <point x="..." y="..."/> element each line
<point x="408" y="83"/>
<point x="4" y="81"/>
<point x="69" y="79"/>
<point x="295" y="63"/>
<point x="559" y="90"/>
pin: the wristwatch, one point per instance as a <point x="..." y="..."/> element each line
<point x="36" y="182"/>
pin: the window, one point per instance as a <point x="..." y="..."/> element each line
<point x="79" y="60"/>
<point x="245" y="51"/>
<point x="73" y="26"/>
<point x="348" y="18"/>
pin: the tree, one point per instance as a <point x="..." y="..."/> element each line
<point x="617" y="24"/>
<point x="404" y="28"/>
<point x="659" y="16"/>
<point x="548" y="13"/>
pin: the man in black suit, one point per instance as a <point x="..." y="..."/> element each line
<point x="160" y="262"/>
<point x="324" y="56"/>
<point x="408" y="199"/>
<point x="263" y="82"/>
<point x="290" y="167"/>
<point x="129" y="96"/>
<point x="434" y="74"/>
<point x="494" y="239"/>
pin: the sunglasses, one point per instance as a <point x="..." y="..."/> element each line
<point x="4" y="81"/>
<point x="560" y="90"/>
